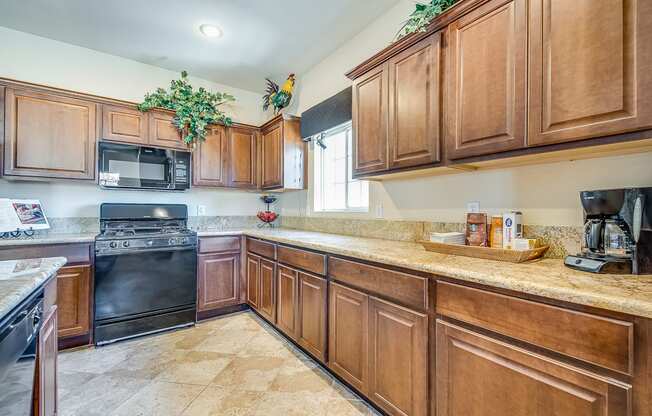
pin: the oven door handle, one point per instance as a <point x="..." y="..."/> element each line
<point x="145" y="250"/>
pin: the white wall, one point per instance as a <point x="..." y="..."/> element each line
<point x="547" y="194"/>
<point x="30" y="58"/>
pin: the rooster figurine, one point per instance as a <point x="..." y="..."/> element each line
<point x="278" y="98"/>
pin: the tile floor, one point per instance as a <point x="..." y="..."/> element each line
<point x="231" y="366"/>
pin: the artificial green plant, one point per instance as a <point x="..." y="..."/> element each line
<point x="423" y="14"/>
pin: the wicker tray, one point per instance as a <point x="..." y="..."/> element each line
<point x="487" y="253"/>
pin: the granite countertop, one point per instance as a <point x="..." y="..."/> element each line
<point x="17" y="285"/>
<point x="548" y="278"/>
<point x="52" y="238"/>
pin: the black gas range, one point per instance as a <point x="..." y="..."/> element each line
<point x="145" y="270"/>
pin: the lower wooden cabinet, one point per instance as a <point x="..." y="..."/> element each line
<point x="47" y="399"/>
<point x="253" y="280"/>
<point x="218" y="283"/>
<point x="286" y="312"/>
<point x="74" y="301"/>
<point x="312" y="314"/>
<point x="478" y="375"/>
<point x="267" y="299"/>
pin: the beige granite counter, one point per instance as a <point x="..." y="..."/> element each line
<point x="20" y="278"/>
<point x="547" y="278"/>
<point x="47" y="239"/>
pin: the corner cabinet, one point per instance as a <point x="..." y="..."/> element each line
<point x="48" y="135"/>
<point x="283" y="155"/>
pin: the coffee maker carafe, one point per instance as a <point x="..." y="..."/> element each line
<point x="617" y="232"/>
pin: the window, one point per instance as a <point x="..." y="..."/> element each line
<point x="335" y="189"/>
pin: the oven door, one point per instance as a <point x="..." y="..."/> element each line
<point x="131" y="166"/>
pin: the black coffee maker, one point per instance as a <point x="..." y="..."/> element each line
<point x="617" y="232"/>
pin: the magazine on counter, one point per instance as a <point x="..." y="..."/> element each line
<point x="22" y="215"/>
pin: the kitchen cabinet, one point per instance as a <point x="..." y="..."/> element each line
<point x="415" y="88"/>
<point x="48" y="135"/>
<point x="267" y="290"/>
<point x="124" y="124"/>
<point x="590" y="69"/>
<point x="480" y="375"/>
<point x="209" y="159"/>
<point x="218" y="283"/>
<point x="312" y="315"/>
<point x="163" y="132"/>
<point x="348" y="335"/>
<point x="242" y="157"/>
<point x="486" y="77"/>
<point x="287" y="286"/>
<point x="74" y="304"/>
<point x="283" y="154"/>
<point x="47" y="378"/>
<point x="253" y="280"/>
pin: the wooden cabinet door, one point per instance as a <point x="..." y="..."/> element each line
<point x="47" y="366"/>
<point x="398" y="357"/>
<point x="477" y="375"/>
<point x="370" y="118"/>
<point x="272" y="156"/>
<point x="209" y="159"/>
<point x="312" y="309"/>
<point x="486" y="77"/>
<point x="287" y="286"/>
<point x="163" y="132"/>
<point x="348" y="335"/>
<point x="590" y="69"/>
<point x="218" y="282"/>
<point x="241" y="157"/>
<point x="253" y="280"/>
<point x="124" y="124"/>
<point x="48" y="135"/>
<point x="74" y="300"/>
<point x="267" y="299"/>
<point x="414" y="104"/>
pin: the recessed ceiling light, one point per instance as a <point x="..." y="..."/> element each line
<point x="210" y="31"/>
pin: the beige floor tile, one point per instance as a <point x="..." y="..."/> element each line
<point x="226" y="341"/>
<point x="217" y="401"/>
<point x="146" y="363"/>
<point x="243" y="322"/>
<point x="97" y="397"/>
<point x="265" y="345"/>
<point x="342" y="407"/>
<point x="249" y="373"/>
<point x="159" y="399"/>
<point x="299" y="376"/>
<point x="195" y="367"/>
<point x="291" y="404"/>
<point x="93" y="360"/>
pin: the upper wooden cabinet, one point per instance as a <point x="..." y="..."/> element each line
<point x="209" y="159"/>
<point x="415" y="86"/>
<point x="486" y="77"/>
<point x="242" y="157"/>
<point x="124" y="124"/>
<point x="163" y="132"/>
<point x="48" y="135"/>
<point x="283" y="154"/>
<point x="590" y="69"/>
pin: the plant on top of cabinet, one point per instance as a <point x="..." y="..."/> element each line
<point x="195" y="110"/>
<point x="423" y="14"/>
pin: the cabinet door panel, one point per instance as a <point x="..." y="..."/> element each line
<point x="253" y="280"/>
<point x="287" y="286"/>
<point x="47" y="366"/>
<point x="209" y="159"/>
<point x="487" y="68"/>
<point x="124" y="124"/>
<point x="267" y="289"/>
<point x="49" y="136"/>
<point x="242" y="157"/>
<point x="272" y="149"/>
<point x="370" y="122"/>
<point x="477" y="375"/>
<point x="590" y="69"/>
<point x="162" y="131"/>
<point x="74" y="294"/>
<point x="348" y="335"/>
<point x="414" y="109"/>
<point x="398" y="345"/>
<point x="313" y="299"/>
<point x="219" y="283"/>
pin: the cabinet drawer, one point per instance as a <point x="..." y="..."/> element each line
<point x="306" y="260"/>
<point x="262" y="248"/>
<point x="218" y="244"/>
<point x="407" y="289"/>
<point x="597" y="340"/>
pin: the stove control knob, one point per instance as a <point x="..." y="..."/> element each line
<point x="172" y="241"/>
<point x="113" y="244"/>
<point x="125" y="244"/>
<point x="183" y="240"/>
<point x="149" y="243"/>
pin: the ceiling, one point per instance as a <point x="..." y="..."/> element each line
<point x="262" y="38"/>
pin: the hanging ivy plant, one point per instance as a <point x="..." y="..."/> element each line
<point x="421" y="17"/>
<point x="194" y="110"/>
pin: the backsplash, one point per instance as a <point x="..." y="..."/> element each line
<point x="563" y="240"/>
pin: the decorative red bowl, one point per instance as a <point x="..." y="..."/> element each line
<point x="267" y="216"/>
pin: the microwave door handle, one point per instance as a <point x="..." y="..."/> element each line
<point x="171" y="184"/>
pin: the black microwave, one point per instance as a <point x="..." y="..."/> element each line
<point x="142" y="167"/>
